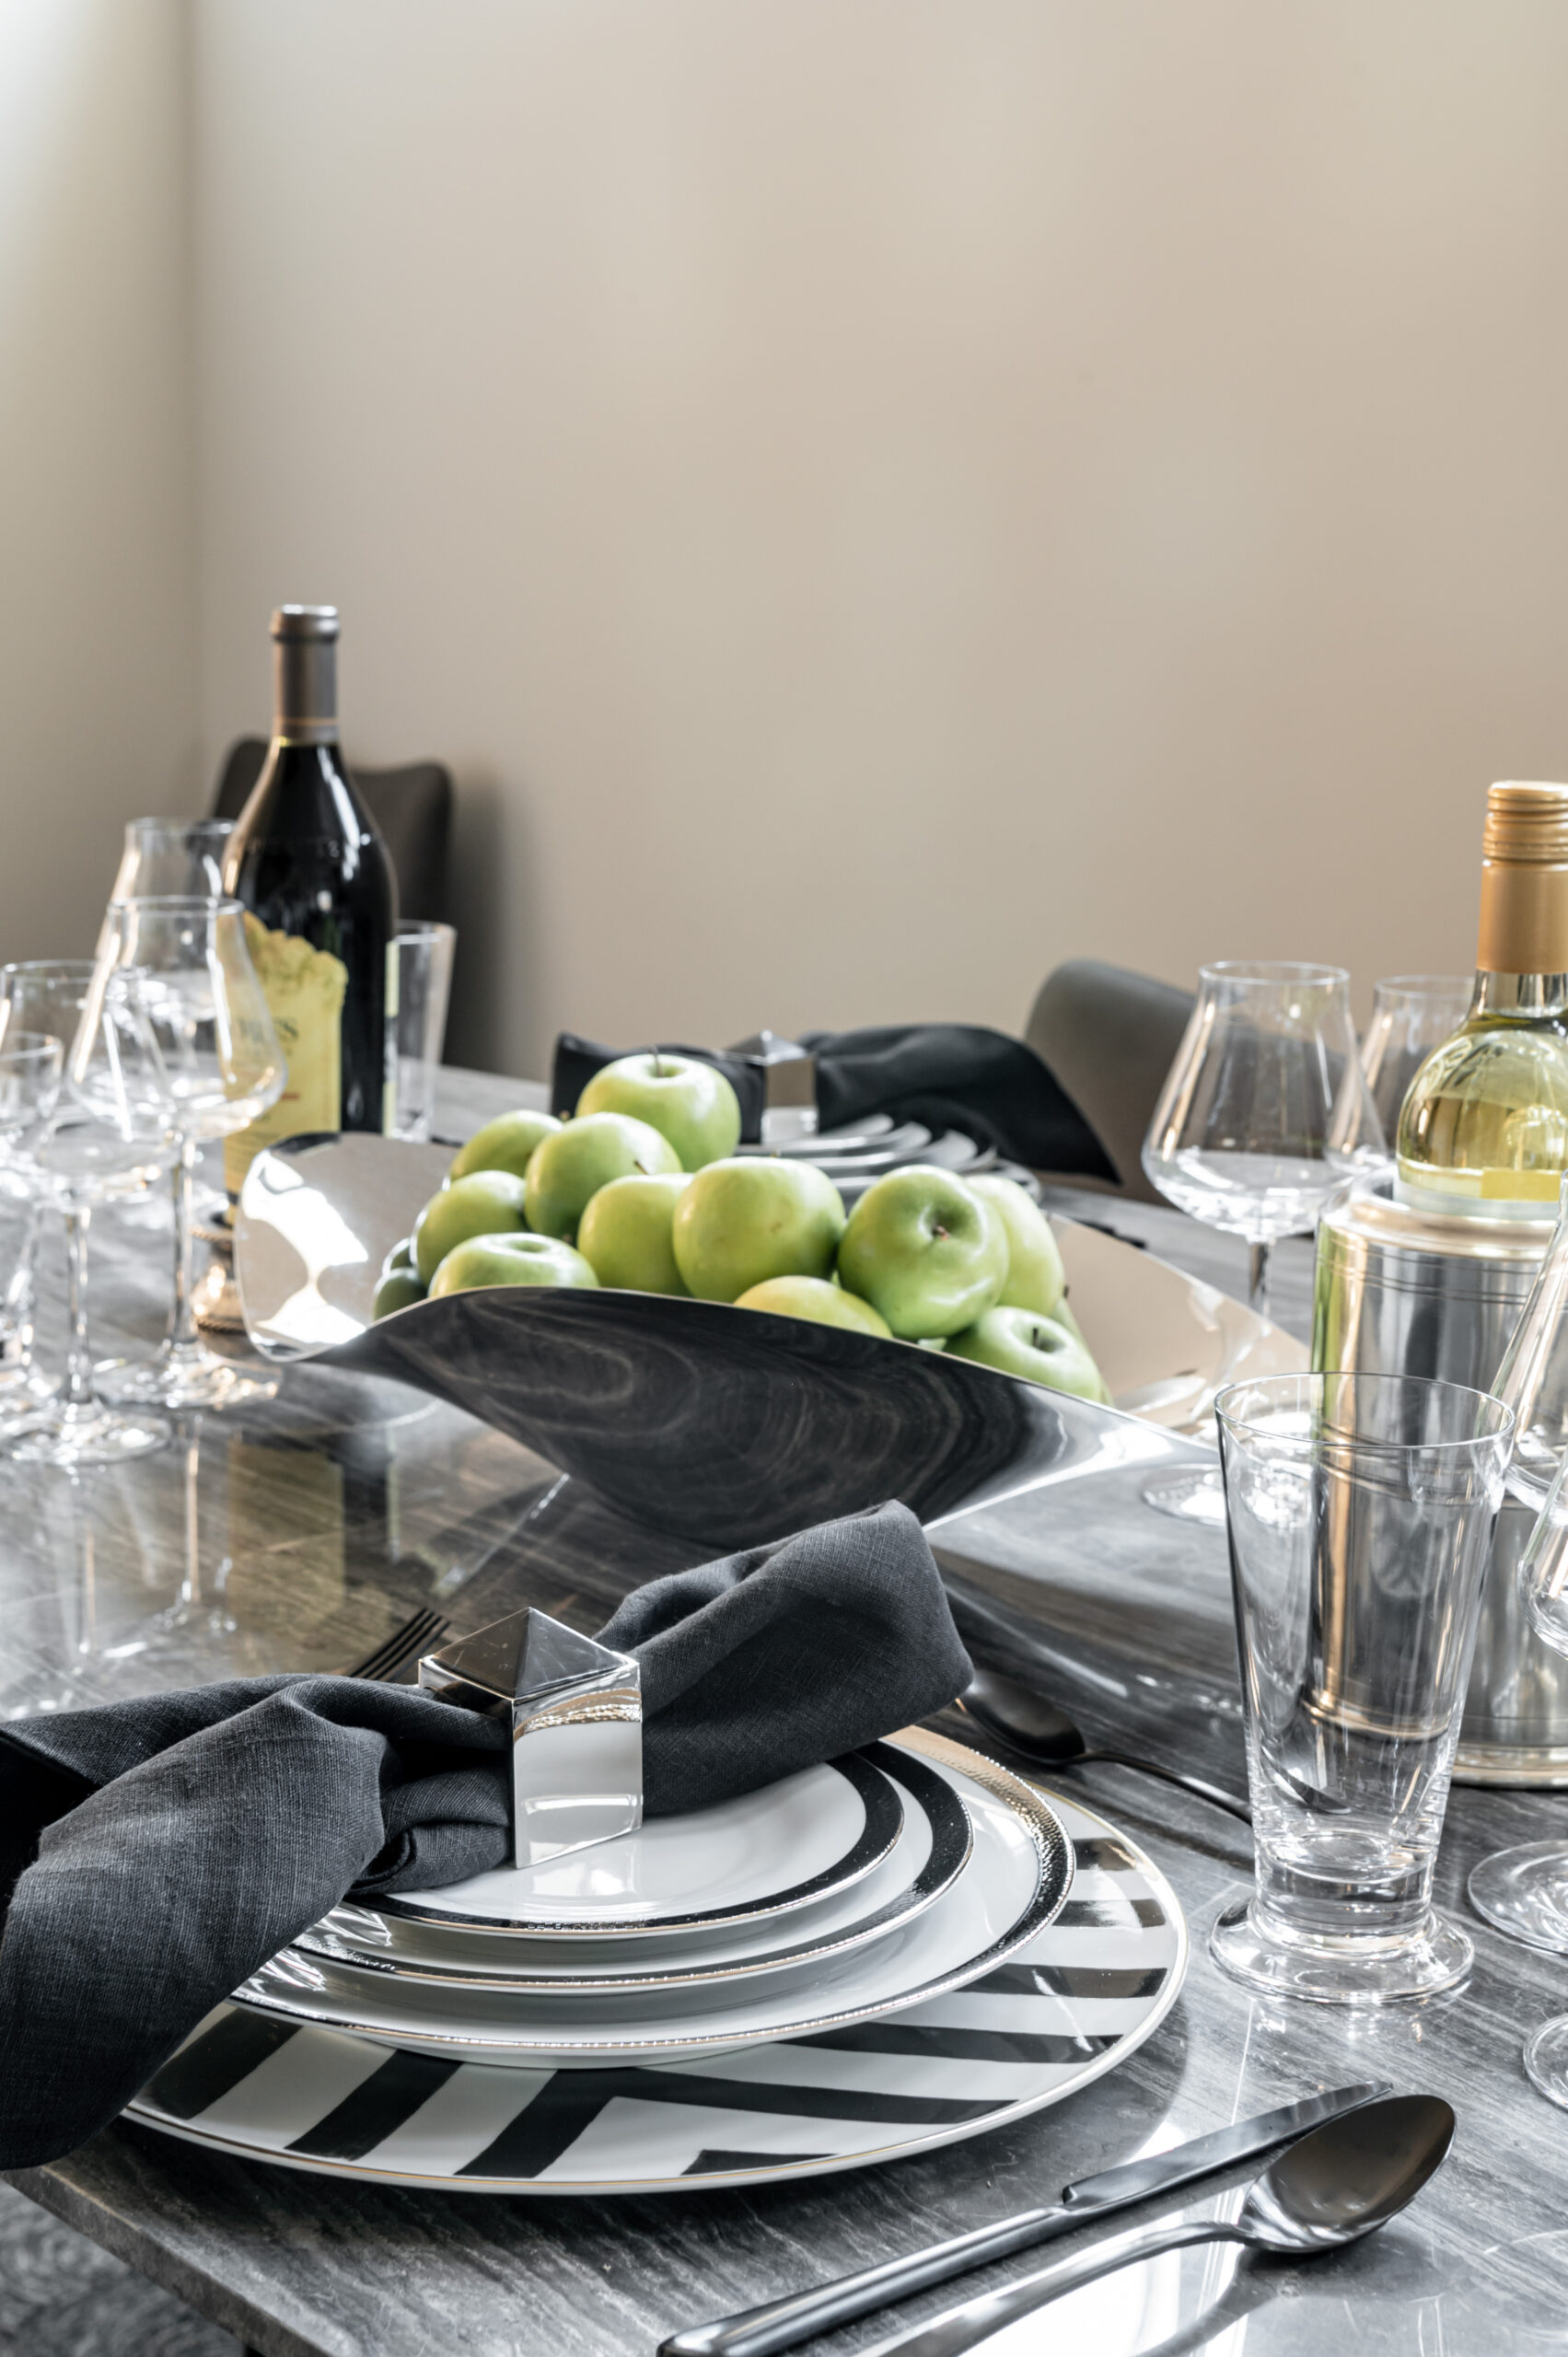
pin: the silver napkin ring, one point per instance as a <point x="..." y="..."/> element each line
<point x="576" y="1717"/>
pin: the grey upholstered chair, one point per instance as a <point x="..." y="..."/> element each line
<point x="1111" y="1037"/>
<point x="412" y="806"/>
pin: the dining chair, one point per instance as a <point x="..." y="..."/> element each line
<point x="412" y="806"/>
<point x="1111" y="1037"/>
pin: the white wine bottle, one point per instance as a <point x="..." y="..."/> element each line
<point x="305" y="859"/>
<point x="1484" y="1125"/>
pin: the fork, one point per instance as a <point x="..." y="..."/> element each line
<point x="418" y="1633"/>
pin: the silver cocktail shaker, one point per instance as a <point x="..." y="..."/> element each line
<point x="1403" y="1292"/>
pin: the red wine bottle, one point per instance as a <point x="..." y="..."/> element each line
<point x="315" y="877"/>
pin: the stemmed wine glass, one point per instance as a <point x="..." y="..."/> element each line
<point x="215" y="1064"/>
<point x="105" y="1134"/>
<point x="1411" y="1013"/>
<point x="1264" y="1115"/>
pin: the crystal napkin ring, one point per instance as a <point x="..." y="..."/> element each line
<point x="576" y="1717"/>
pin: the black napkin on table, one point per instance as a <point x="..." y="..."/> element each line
<point x="154" y="1853"/>
<point x="948" y="1076"/>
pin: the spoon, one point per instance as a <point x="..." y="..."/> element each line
<point x="1038" y="1729"/>
<point x="1342" y="2181"/>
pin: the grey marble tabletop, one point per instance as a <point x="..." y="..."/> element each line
<point x="297" y="1533"/>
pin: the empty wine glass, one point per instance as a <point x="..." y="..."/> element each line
<point x="107" y="1135"/>
<point x="1265" y="1114"/>
<point x="215" y="1065"/>
<point x="1411" y="1013"/>
<point x="30" y="1083"/>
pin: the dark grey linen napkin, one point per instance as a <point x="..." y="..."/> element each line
<point x="154" y="1853"/>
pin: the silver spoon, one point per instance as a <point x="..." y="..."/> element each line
<point x="1342" y="2181"/>
<point x="1039" y="1729"/>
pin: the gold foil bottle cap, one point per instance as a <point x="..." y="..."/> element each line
<point x="1527" y="825"/>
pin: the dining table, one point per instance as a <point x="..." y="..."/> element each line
<point x="300" y="1532"/>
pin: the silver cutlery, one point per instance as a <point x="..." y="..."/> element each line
<point x="1334" y="2187"/>
<point x="782" y="2324"/>
<point x="1039" y="1729"/>
<point x="412" y="1637"/>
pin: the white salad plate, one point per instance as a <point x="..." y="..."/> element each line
<point x="1165" y="1342"/>
<point x="931" y="1854"/>
<point x="1017" y="1880"/>
<point x="1078" y="1998"/>
<point x="751" y="1860"/>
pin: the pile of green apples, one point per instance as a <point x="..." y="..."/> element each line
<point x="643" y="1189"/>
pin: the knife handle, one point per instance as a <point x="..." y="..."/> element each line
<point x="780" y="2324"/>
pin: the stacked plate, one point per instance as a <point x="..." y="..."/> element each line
<point x="855" y="1158"/>
<point x="835" y="1897"/>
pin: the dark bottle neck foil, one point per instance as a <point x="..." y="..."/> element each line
<point x="305" y="675"/>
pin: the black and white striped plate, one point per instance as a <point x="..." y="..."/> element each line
<point x="1083" y="1994"/>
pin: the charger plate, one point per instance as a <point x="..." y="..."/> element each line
<point x="1079" y="1998"/>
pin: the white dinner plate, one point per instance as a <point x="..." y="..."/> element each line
<point x="1017" y="1879"/>
<point x="1075" y="2001"/>
<point x="931" y="1854"/>
<point x="752" y="1859"/>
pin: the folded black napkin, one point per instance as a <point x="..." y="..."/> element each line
<point x="154" y="1853"/>
<point x="948" y="1076"/>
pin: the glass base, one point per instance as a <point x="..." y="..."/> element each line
<point x="1546" y="2060"/>
<point x="1524" y="1893"/>
<point x="177" y="1379"/>
<point x="1340" y="1972"/>
<point x="92" y="1435"/>
<point x="1188" y="1497"/>
<point x="25" y="1392"/>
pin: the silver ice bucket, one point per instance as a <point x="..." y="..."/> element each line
<point x="1401" y="1292"/>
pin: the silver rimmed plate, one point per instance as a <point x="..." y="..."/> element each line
<point x="1017" y="1880"/>
<point x="932" y="1853"/>
<point x="749" y="1859"/>
<point x="1071" y="2004"/>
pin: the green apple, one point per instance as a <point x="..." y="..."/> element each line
<point x="510" y="1259"/>
<point x="1036" y="1278"/>
<point x="506" y="1143"/>
<point x="399" y="1289"/>
<point x="400" y="1256"/>
<point x="687" y="1101"/>
<point x="625" y="1233"/>
<point x="480" y="1204"/>
<point x="569" y="1169"/>
<point x="1042" y="1349"/>
<point x="827" y="1305"/>
<point x="925" y="1251"/>
<point x="756" y="1217"/>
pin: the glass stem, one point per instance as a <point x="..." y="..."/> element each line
<point x="1258" y="1277"/>
<point x="79" y="1362"/>
<point x="183" y="1334"/>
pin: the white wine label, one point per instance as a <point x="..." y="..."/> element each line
<point x="1498" y="1193"/>
<point x="304" y="989"/>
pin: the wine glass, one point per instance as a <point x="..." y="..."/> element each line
<point x="1411" y="1013"/>
<point x="106" y="1135"/>
<point x="1264" y="1115"/>
<point x="30" y="1083"/>
<point x="215" y="1064"/>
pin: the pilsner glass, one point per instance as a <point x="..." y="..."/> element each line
<point x="1265" y="1114"/>
<point x="1361" y="1511"/>
<point x="215" y="1066"/>
<point x="1411" y="1013"/>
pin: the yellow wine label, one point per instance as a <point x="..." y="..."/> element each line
<point x="304" y="989"/>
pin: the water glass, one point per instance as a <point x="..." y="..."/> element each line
<point x="418" y="983"/>
<point x="1411" y="1013"/>
<point x="1360" y="1510"/>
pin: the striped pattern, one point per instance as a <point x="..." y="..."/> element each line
<point x="1082" y="1993"/>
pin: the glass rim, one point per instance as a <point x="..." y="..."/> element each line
<point x="67" y="968"/>
<point x="177" y="826"/>
<point x="1303" y="1443"/>
<point x="209" y="904"/>
<point x="1424" y="985"/>
<point x="1272" y="971"/>
<point x="423" y="929"/>
<point x="31" y="1047"/>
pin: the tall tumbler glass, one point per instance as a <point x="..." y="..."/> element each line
<point x="1360" y="1510"/>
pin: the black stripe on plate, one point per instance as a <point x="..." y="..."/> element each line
<point x="569" y="2103"/>
<point x="945" y="2045"/>
<point x="713" y="2160"/>
<point x="1069" y="1980"/>
<point x="1104" y="1851"/>
<point x="1108" y="1915"/>
<point x="216" y="2062"/>
<point x="377" y="2106"/>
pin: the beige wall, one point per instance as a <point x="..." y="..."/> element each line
<point x="98" y="652"/>
<point x="870" y="498"/>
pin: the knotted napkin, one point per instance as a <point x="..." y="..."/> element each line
<point x="948" y="1076"/>
<point x="154" y="1853"/>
